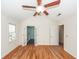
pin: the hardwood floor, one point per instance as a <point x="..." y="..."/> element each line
<point x="38" y="52"/>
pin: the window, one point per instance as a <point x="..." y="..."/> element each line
<point x="12" y="32"/>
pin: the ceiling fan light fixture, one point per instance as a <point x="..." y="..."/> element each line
<point x="40" y="9"/>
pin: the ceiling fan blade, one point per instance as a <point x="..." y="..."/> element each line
<point x="29" y="9"/>
<point x="24" y="6"/>
<point x="39" y="2"/>
<point x="52" y="3"/>
<point x="35" y="13"/>
<point x="46" y="13"/>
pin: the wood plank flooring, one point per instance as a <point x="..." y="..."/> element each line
<point x="38" y="52"/>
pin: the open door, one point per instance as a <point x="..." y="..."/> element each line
<point x="30" y="35"/>
<point x="61" y="35"/>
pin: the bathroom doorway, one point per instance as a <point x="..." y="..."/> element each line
<point x="30" y="35"/>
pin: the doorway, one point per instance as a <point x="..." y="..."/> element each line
<point x="61" y="36"/>
<point x="30" y="35"/>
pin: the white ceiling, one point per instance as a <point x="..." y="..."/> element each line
<point x="13" y="8"/>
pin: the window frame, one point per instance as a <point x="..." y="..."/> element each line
<point x="10" y="40"/>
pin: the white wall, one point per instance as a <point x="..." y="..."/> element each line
<point x="70" y="34"/>
<point x="7" y="46"/>
<point x="46" y="30"/>
<point x="54" y="35"/>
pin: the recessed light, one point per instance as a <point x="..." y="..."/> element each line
<point x="59" y="14"/>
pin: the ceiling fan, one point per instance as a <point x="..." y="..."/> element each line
<point x="40" y="8"/>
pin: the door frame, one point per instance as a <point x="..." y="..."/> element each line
<point x="63" y="35"/>
<point x="27" y="33"/>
